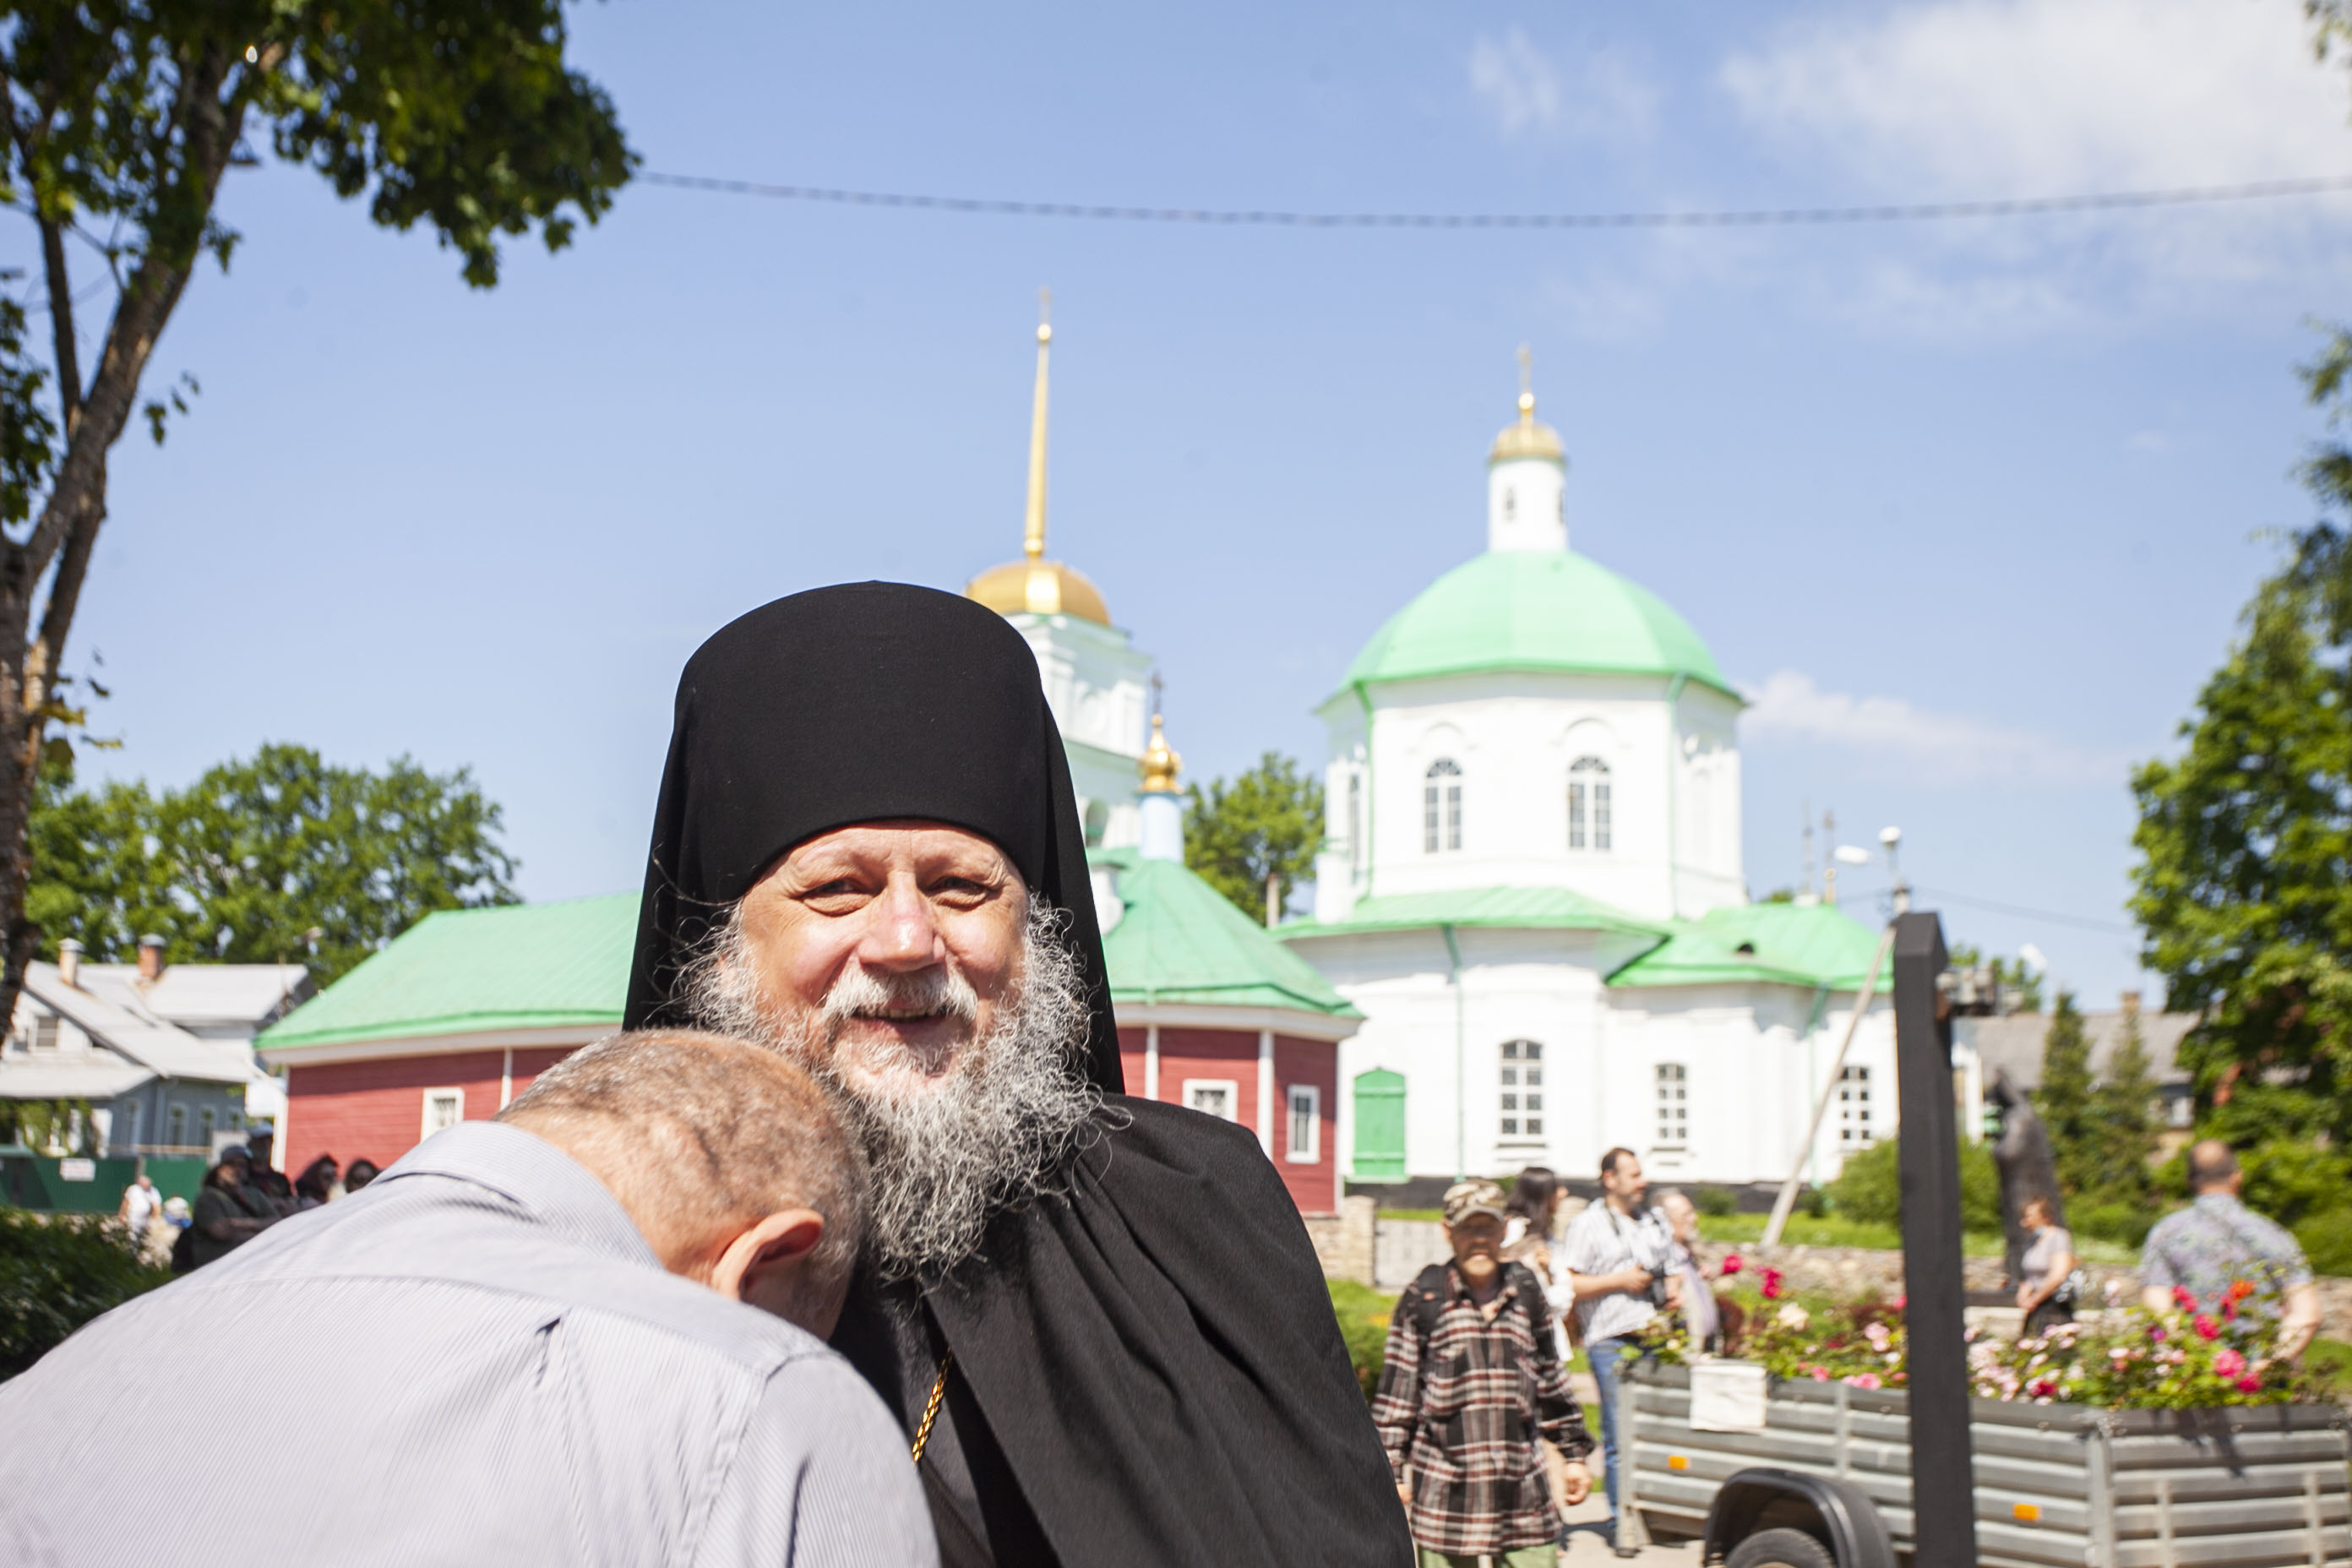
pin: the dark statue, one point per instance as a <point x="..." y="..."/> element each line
<point x="2022" y="1154"/>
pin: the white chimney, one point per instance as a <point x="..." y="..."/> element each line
<point x="69" y="962"/>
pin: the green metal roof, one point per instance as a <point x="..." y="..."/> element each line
<point x="1535" y="610"/>
<point x="1524" y="907"/>
<point x="1181" y="941"/>
<point x="1781" y="944"/>
<point x="520" y="966"/>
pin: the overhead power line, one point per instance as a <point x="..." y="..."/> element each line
<point x="1755" y="218"/>
<point x="1948" y="896"/>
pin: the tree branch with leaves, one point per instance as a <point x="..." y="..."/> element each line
<point x="123" y="119"/>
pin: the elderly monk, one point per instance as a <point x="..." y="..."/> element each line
<point x="1098" y="1319"/>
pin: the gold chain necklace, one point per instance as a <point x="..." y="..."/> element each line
<point x="931" y="1410"/>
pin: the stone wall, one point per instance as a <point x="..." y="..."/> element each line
<point x="1848" y="1270"/>
<point x="1344" y="1241"/>
<point x="1387" y="1253"/>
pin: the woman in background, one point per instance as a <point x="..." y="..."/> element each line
<point x="1530" y="1234"/>
<point x="2048" y="1264"/>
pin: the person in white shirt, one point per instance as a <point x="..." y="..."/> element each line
<point x="1616" y="1256"/>
<point x="141" y="1202"/>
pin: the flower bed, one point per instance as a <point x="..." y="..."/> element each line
<point x="2126" y="1358"/>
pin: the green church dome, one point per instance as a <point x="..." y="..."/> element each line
<point x="1536" y="610"/>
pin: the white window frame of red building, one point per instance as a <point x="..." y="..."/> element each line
<point x="1233" y="1091"/>
<point x="1304" y="1099"/>
<point x="453" y="1094"/>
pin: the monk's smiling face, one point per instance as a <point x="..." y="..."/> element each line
<point x="890" y="946"/>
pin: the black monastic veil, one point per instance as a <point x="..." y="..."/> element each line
<point x="1146" y="1366"/>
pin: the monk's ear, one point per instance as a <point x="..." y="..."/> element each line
<point x="782" y="1238"/>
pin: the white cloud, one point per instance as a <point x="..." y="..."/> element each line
<point x="2028" y="97"/>
<point x="1947" y="748"/>
<point x="1604" y="96"/>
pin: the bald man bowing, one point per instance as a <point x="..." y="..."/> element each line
<point x="528" y="1341"/>
<point x="1098" y="1319"/>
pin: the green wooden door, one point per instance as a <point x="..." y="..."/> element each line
<point x="1380" y="1126"/>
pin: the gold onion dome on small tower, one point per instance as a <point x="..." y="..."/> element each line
<point x="1526" y="438"/>
<point x="1160" y="763"/>
<point x="1035" y="585"/>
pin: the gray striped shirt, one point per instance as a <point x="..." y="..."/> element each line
<point x="476" y="1360"/>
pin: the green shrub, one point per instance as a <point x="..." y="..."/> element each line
<point x="2327" y="1241"/>
<point x="1715" y="1201"/>
<point x="1363" y="1313"/>
<point x="1870" y="1186"/>
<point x="56" y="1273"/>
<point x="1814" y="1202"/>
<point x="2110" y="1219"/>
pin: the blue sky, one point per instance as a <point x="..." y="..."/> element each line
<point x="1971" y="508"/>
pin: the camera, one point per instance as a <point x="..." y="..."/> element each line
<point x="1657" y="1290"/>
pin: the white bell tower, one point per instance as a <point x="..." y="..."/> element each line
<point x="1527" y="479"/>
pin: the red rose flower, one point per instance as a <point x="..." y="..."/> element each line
<point x="2205" y="1327"/>
<point x="1732" y="1264"/>
<point x="2250" y="1383"/>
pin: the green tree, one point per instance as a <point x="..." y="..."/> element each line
<point x="125" y="117"/>
<point x="247" y="862"/>
<point x="2123" y="1111"/>
<point x="2067" y="1097"/>
<point x="2244" y="839"/>
<point x="1268" y="823"/>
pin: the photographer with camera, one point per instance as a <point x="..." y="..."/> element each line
<point x="1616" y="1255"/>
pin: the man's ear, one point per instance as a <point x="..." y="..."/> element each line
<point x="780" y="1237"/>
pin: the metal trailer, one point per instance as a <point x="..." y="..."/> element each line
<point x="2054" y="1484"/>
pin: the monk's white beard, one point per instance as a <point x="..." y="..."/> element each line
<point x="990" y="1133"/>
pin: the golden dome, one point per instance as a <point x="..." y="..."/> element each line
<point x="1039" y="587"/>
<point x="1528" y="438"/>
<point x="1159" y="764"/>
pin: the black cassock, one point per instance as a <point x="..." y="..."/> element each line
<point x="1146" y="1369"/>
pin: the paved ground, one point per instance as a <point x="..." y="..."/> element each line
<point x="1588" y="1544"/>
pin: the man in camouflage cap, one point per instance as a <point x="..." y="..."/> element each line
<point x="1472" y="1386"/>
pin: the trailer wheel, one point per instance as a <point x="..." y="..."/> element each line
<point x="1780" y="1549"/>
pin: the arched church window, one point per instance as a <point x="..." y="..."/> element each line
<point x="1588" y="804"/>
<point x="1098" y="821"/>
<point x="1441" y="806"/>
<point x="1522" y="1088"/>
<point x="1510" y="504"/>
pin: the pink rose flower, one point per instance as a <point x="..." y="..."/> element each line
<point x="2228" y="1363"/>
<point x="2250" y="1383"/>
<point x="2205" y="1327"/>
<point x="2042" y="1388"/>
<point x="1864" y="1380"/>
<point x="1732" y="1264"/>
<point x="1771" y="1284"/>
<point x="1820" y="1374"/>
<point x="2156" y="1333"/>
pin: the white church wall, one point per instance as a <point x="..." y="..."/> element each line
<point x="1709" y="859"/>
<point x="1514" y="739"/>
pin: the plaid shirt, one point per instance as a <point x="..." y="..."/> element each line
<point x="1463" y="1413"/>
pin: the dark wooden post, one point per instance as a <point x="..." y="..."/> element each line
<point x="1942" y="1480"/>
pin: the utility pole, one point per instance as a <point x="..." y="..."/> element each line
<point x="1805" y="815"/>
<point x="1829" y="860"/>
<point x="1273" y="900"/>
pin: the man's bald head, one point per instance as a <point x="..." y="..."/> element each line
<point x="2212" y="1167"/>
<point x="704" y="1139"/>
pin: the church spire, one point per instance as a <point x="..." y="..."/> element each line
<point x="1526" y="478"/>
<point x="1033" y="533"/>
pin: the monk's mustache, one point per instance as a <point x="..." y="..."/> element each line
<point x="930" y="993"/>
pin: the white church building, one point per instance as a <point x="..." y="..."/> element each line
<point x="1532" y="887"/>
